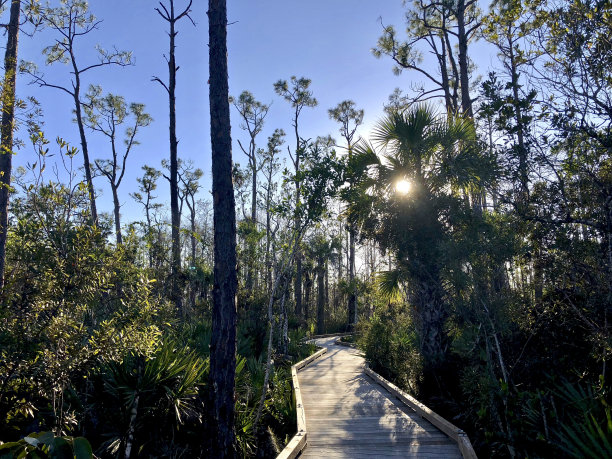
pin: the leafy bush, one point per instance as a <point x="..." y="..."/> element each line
<point x="47" y="445"/>
<point x="149" y="396"/>
<point x="390" y="344"/>
<point x="587" y="432"/>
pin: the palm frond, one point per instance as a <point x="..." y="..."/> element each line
<point x="389" y="283"/>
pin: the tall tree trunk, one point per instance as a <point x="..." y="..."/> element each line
<point x="298" y="262"/>
<point x="193" y="238"/>
<point x="117" y="208"/>
<point x="254" y="193"/>
<point x="86" y="163"/>
<point x="223" y="340"/>
<point x="520" y="126"/>
<point x="433" y="315"/>
<point x="307" y="289"/>
<point x="284" y="325"/>
<point x="298" y="284"/>
<point x="326" y="285"/>
<point x="464" y="73"/>
<point x="174" y="198"/>
<point x="7" y="128"/>
<point x="321" y="297"/>
<point x="442" y="62"/>
<point x="352" y="302"/>
<point x="268" y="236"/>
<point x="251" y="261"/>
<point x="193" y="289"/>
<point x="269" y="351"/>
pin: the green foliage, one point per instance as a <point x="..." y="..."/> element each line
<point x="155" y="387"/>
<point x="391" y="346"/>
<point x="588" y="431"/>
<point x="46" y="445"/>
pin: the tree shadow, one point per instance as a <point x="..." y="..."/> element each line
<point x="349" y="415"/>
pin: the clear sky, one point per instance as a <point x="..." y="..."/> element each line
<point x="328" y="41"/>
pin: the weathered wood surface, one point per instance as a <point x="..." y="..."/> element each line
<point x="298" y="442"/>
<point x="349" y="415"/>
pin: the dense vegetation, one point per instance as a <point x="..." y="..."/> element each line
<point x="467" y="240"/>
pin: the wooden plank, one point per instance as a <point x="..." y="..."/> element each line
<point x="463" y="442"/>
<point x="298" y="442"/>
<point x="359" y="452"/>
<point x="348" y="415"/>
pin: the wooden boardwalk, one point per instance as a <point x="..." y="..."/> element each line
<point x="349" y="415"/>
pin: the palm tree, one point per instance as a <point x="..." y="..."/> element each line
<point x="409" y="197"/>
<point x="322" y="249"/>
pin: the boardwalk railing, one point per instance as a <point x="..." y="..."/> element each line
<point x="454" y="432"/>
<point x="298" y="442"/>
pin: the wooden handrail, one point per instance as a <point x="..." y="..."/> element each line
<point x="454" y="432"/>
<point x="298" y="442"/>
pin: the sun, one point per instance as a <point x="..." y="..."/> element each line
<point x="403" y="186"/>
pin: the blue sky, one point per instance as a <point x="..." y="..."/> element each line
<point x="328" y="41"/>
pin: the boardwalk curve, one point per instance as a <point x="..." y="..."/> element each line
<point x="348" y="415"/>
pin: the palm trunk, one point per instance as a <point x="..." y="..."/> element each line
<point x="223" y="340"/>
<point x="433" y="316"/>
<point x="7" y="128"/>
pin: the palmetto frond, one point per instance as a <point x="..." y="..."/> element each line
<point x="389" y="283"/>
<point x="408" y="135"/>
<point x="434" y="150"/>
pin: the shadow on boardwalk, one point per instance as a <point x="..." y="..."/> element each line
<point x="349" y="415"/>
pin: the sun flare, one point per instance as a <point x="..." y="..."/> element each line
<point x="402" y="186"/>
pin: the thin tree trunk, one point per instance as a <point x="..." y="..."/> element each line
<point x="464" y="75"/>
<point x="298" y="285"/>
<point x="86" y="163"/>
<point x="250" y="265"/>
<point x="175" y="214"/>
<point x="284" y="324"/>
<point x="132" y="427"/>
<point x="192" y="293"/>
<point x="327" y="285"/>
<point x="282" y="276"/>
<point x="320" y="298"/>
<point x="117" y="208"/>
<point x="268" y="231"/>
<point x="223" y="340"/>
<point x="79" y="119"/>
<point x="520" y="127"/>
<point x="307" y="289"/>
<point x="268" y="355"/>
<point x="298" y="266"/>
<point x="352" y="303"/>
<point x="7" y="128"/>
<point x="171" y="18"/>
<point x="193" y="238"/>
<point x="254" y="192"/>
